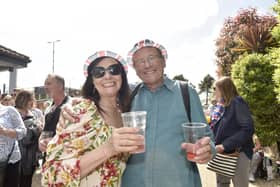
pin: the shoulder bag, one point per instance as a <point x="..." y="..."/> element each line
<point x="224" y="164"/>
<point x="3" y="166"/>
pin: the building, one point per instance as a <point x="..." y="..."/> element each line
<point x="11" y="60"/>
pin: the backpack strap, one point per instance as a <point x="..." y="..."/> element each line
<point x="186" y="97"/>
<point x="132" y="95"/>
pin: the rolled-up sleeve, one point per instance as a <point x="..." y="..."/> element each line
<point x="17" y="123"/>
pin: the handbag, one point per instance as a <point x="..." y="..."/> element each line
<point x="224" y="164"/>
<point x="3" y="166"/>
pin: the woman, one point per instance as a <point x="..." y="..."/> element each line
<point x="233" y="129"/>
<point x="24" y="103"/>
<point x="90" y="152"/>
<point x="8" y="101"/>
<point x="11" y="130"/>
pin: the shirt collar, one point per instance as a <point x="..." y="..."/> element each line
<point x="167" y="83"/>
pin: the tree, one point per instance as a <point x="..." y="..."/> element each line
<point x="180" y="77"/>
<point x="205" y="85"/>
<point x="252" y="75"/>
<point x="246" y="32"/>
<point x="275" y="60"/>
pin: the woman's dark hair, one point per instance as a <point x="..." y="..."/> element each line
<point x="22" y="99"/>
<point x="90" y="92"/>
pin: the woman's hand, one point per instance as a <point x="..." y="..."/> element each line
<point x="68" y="113"/>
<point x="220" y="148"/>
<point x="2" y="130"/>
<point x="125" y="139"/>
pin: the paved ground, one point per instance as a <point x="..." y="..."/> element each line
<point x="207" y="177"/>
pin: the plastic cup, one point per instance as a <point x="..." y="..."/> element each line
<point x="136" y="119"/>
<point x="47" y="134"/>
<point x="193" y="131"/>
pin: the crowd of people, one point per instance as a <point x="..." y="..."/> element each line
<point x="83" y="142"/>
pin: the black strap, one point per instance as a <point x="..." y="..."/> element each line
<point x="10" y="154"/>
<point x="186" y="97"/>
<point x="132" y="95"/>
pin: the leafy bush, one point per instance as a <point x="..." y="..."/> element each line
<point x="253" y="76"/>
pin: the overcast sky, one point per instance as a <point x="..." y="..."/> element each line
<point x="186" y="28"/>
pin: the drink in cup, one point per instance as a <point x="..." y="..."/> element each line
<point x="46" y="136"/>
<point x="136" y="119"/>
<point x="193" y="131"/>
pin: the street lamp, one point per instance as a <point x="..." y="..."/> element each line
<point x="53" y="47"/>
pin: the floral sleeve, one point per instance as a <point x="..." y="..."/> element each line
<point x="62" y="166"/>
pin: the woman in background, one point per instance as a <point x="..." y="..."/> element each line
<point x="24" y="103"/>
<point x="233" y="129"/>
<point x="12" y="129"/>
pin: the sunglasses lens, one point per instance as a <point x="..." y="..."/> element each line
<point x="98" y="72"/>
<point x="114" y="69"/>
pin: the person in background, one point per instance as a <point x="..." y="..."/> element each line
<point x="233" y="129"/>
<point x="256" y="159"/>
<point x="12" y="130"/>
<point x="55" y="89"/>
<point x="91" y="150"/>
<point x="29" y="144"/>
<point x="8" y="100"/>
<point x="163" y="163"/>
<point x="38" y="113"/>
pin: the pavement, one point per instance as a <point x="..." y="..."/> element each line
<point x="208" y="179"/>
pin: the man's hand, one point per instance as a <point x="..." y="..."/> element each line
<point x="203" y="150"/>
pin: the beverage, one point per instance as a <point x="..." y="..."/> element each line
<point x="141" y="129"/>
<point x="190" y="155"/>
<point x="136" y="119"/>
<point x="193" y="132"/>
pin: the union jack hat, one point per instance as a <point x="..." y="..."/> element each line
<point x="145" y="43"/>
<point x="100" y="54"/>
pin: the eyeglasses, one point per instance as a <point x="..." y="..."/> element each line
<point x="99" y="72"/>
<point x="151" y="59"/>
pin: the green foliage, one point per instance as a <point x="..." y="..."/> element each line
<point x="276" y="33"/>
<point x="253" y="77"/>
<point x="275" y="60"/>
<point x="180" y="77"/>
<point x="246" y="32"/>
<point x="205" y="85"/>
<point x="276" y="8"/>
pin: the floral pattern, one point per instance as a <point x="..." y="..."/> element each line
<point x="62" y="166"/>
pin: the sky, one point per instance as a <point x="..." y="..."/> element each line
<point x="187" y="29"/>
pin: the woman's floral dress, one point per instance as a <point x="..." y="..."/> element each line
<point x="62" y="166"/>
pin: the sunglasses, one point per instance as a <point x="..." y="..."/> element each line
<point x="99" y="72"/>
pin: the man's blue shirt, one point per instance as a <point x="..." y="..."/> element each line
<point x="164" y="162"/>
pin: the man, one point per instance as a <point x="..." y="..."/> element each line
<point x="55" y="89"/>
<point x="164" y="163"/>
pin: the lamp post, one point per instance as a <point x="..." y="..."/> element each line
<point x="53" y="49"/>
